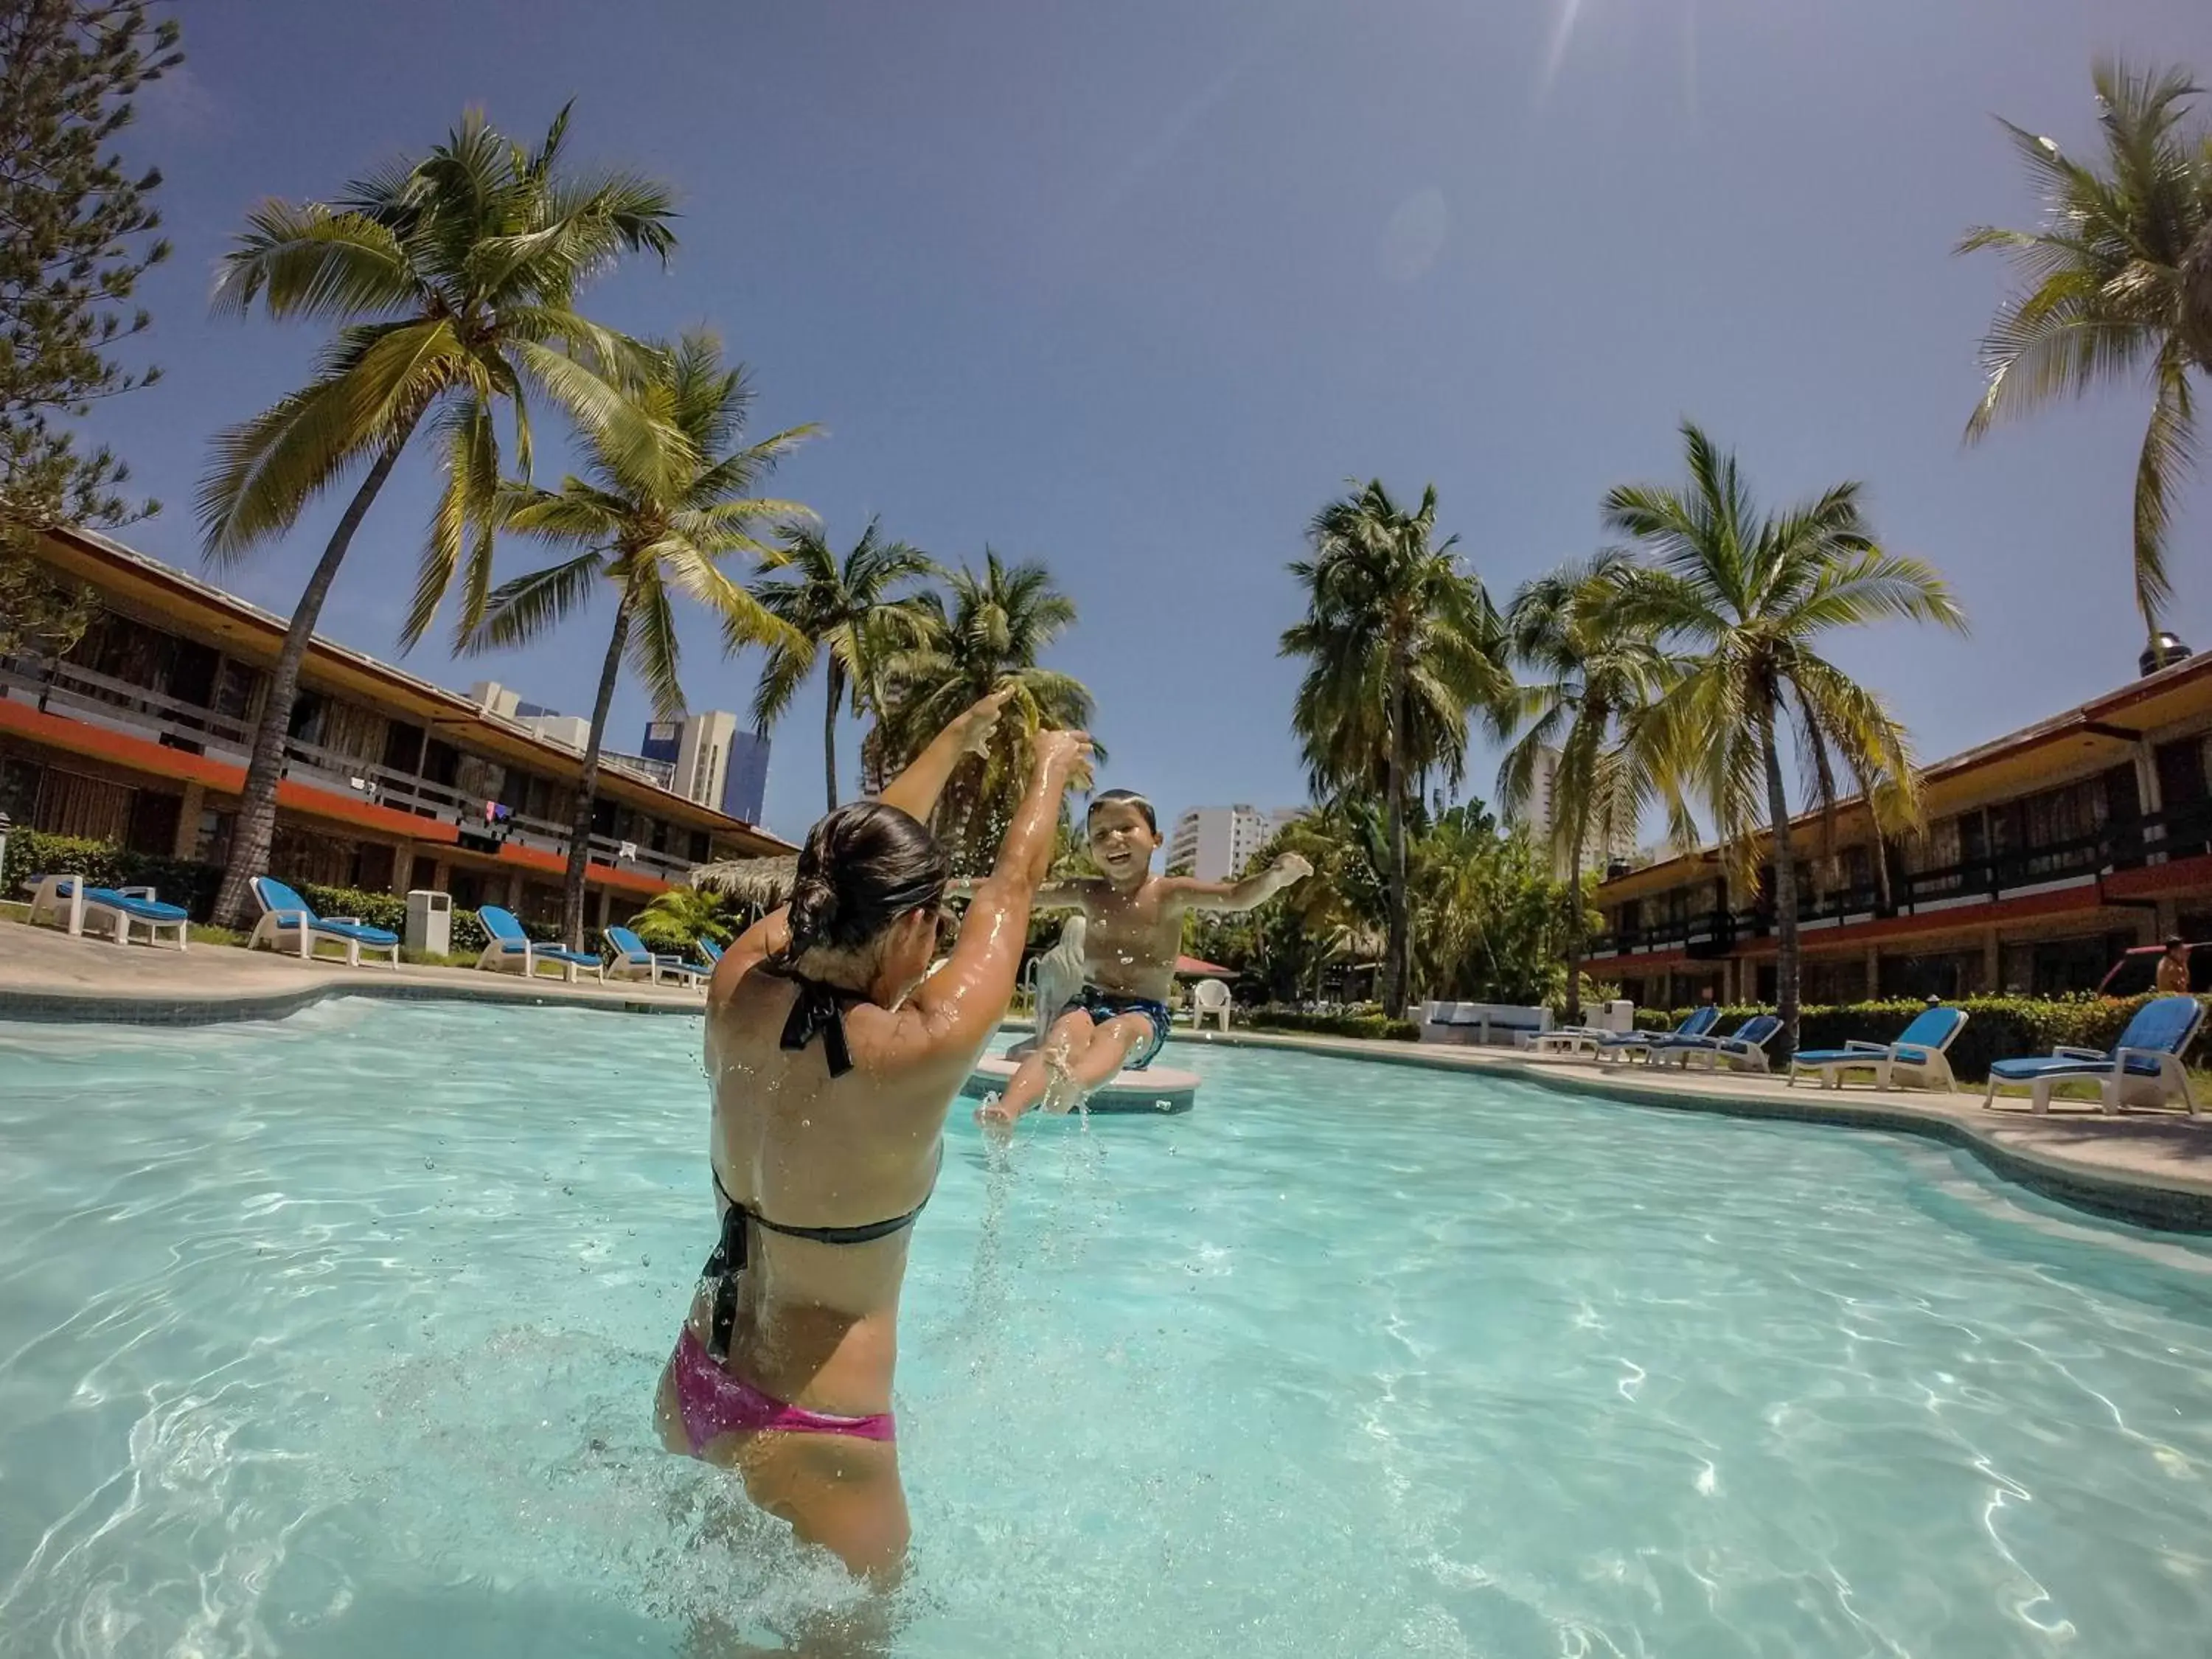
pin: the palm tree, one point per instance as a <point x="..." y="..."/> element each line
<point x="850" y="610"/>
<point x="678" y="918"/>
<point x="1402" y="645"/>
<point x="1597" y="669"/>
<point x="451" y="286"/>
<point x="1745" y="596"/>
<point x="652" y="521"/>
<point x="2116" y="281"/>
<point x="999" y="623"/>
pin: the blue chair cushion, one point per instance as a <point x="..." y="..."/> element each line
<point x="143" y="909"/>
<point x="2028" y="1069"/>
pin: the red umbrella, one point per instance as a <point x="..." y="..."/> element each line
<point x="1191" y="966"/>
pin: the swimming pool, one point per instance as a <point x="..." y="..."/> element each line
<point x="336" y="1336"/>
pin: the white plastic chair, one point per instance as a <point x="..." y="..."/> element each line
<point x="1209" y="999"/>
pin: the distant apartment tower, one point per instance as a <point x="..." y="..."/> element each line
<point x="712" y="761"/>
<point x="1214" y="843"/>
<point x="1600" y="852"/>
<point x="706" y="758"/>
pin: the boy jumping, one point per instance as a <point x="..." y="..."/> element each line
<point x="1135" y="932"/>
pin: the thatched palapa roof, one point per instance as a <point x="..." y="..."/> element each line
<point x="764" y="883"/>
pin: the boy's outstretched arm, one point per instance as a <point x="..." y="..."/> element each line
<point x="1243" y="895"/>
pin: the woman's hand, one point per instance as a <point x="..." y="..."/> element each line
<point x="972" y="729"/>
<point x="1062" y="755"/>
<point x="1292" y="867"/>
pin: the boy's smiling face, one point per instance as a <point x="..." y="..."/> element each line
<point x="1121" y="842"/>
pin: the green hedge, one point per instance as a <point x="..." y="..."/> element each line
<point x="180" y="881"/>
<point x="177" y="881"/>
<point x="1376" y="1027"/>
<point x="1997" y="1027"/>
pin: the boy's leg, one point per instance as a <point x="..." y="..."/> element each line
<point x="1111" y="1044"/>
<point x="1070" y="1036"/>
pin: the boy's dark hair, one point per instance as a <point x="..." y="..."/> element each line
<point x="1122" y="798"/>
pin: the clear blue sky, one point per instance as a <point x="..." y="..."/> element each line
<point x="1135" y="287"/>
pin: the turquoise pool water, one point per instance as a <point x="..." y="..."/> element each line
<point x="335" y="1336"/>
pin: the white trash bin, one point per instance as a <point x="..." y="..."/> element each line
<point x="429" y="921"/>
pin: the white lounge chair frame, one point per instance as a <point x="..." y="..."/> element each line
<point x="499" y="957"/>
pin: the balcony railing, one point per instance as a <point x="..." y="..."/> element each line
<point x="2183" y="831"/>
<point x="79" y="693"/>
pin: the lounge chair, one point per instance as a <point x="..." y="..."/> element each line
<point x="119" y="908"/>
<point x="510" y="947"/>
<point x="1919" y="1052"/>
<point x="1569" y="1040"/>
<point x="288" y="924"/>
<point x="2144" y="1067"/>
<point x="1209" y="999"/>
<point x="1629" y="1044"/>
<point x="711" y="951"/>
<point x="632" y="960"/>
<point x="1745" y="1047"/>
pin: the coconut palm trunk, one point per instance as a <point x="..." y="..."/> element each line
<point x="1398" y="952"/>
<point x="1574" y="1014"/>
<point x="1785" y="896"/>
<point x="588" y="788"/>
<point x="255" y="826"/>
<point x="829" y="731"/>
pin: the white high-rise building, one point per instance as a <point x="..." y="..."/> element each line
<point x="1601" y="849"/>
<point x="708" y="758"/>
<point x="1214" y="843"/>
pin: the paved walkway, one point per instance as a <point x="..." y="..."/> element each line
<point x="2155" y="1168"/>
<point x="45" y="974"/>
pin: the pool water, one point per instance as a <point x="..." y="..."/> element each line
<point x="337" y="1335"/>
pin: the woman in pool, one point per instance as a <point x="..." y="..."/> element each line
<point x="833" y="1062"/>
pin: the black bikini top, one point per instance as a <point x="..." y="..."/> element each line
<point x="817" y="1012"/>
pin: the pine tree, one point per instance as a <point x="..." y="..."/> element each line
<point x="76" y="232"/>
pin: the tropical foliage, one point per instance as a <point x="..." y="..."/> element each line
<point x="677" y="919"/>
<point x="1745" y="598"/>
<point x="79" y="233"/>
<point x="2116" y="287"/>
<point x="1400" y="644"/>
<point x="1583" y="765"/>
<point x="991" y="630"/>
<point x="451" y="288"/>
<point x="652" y="522"/>
<point x="1490" y="920"/>
<point x="853" y="614"/>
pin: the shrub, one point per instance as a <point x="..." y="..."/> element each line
<point x="1997" y="1027"/>
<point x="1376" y="1027"/>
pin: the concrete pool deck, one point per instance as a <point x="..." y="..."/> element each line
<point x="45" y="974"/>
<point x="2154" y="1170"/>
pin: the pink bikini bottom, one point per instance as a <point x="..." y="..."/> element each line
<point x="714" y="1401"/>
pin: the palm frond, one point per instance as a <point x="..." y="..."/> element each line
<point x="308" y="262"/>
<point x="519" y="610"/>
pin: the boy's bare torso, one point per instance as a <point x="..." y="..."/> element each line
<point x="1132" y="938"/>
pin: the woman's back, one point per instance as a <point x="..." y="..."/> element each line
<point x="799" y="1148"/>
